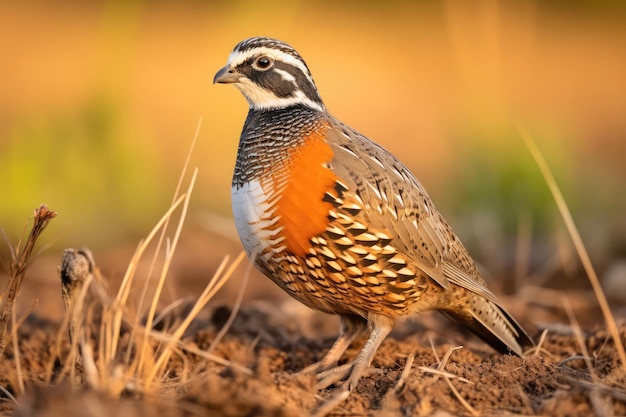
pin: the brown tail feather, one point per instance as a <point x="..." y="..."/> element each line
<point x="493" y="324"/>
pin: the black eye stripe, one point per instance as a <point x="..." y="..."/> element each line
<point x="303" y="82"/>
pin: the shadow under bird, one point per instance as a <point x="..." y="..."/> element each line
<point x="340" y="223"/>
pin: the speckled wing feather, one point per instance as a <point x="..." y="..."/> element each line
<point x="396" y="202"/>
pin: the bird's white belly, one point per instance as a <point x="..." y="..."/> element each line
<point x="254" y="210"/>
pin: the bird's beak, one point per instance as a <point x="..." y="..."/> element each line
<point x="226" y="75"/>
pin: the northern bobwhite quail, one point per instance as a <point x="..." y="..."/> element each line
<point x="340" y="223"/>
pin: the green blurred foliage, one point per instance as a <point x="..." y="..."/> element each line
<point x="104" y="184"/>
<point x="499" y="176"/>
<point x="499" y="187"/>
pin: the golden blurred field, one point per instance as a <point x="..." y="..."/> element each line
<point x="100" y="101"/>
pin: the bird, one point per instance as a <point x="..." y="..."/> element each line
<point x="340" y="224"/>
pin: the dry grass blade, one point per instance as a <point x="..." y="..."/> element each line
<point x="405" y="372"/>
<point x="168" y="311"/>
<point x="15" y="324"/>
<point x="214" y="285"/>
<point x="127" y="282"/>
<point x="535" y="350"/>
<point x="444" y="361"/>
<point x="17" y="269"/>
<point x="126" y="285"/>
<point x="459" y="397"/>
<point x="432" y="346"/>
<point x="169" y="251"/>
<point x="447" y="377"/>
<point x="236" y="306"/>
<point x="168" y="260"/>
<point x="580" y="339"/>
<point x="115" y="349"/>
<point x="444" y="374"/>
<point x="167" y="219"/>
<point x="124" y="290"/>
<point x="329" y="405"/>
<point x="93" y="377"/>
<point x="18" y="362"/>
<point x="578" y="243"/>
<point x="199" y="352"/>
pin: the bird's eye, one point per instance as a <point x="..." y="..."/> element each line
<point x="263" y="63"/>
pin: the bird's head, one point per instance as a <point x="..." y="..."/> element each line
<point x="270" y="74"/>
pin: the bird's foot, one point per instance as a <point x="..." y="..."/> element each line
<point x="334" y="376"/>
<point x="318" y="367"/>
<point x="346" y="376"/>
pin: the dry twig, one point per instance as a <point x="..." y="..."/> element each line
<point x="17" y="270"/>
<point x="447" y="377"/>
<point x="405" y="372"/>
<point x="82" y="293"/>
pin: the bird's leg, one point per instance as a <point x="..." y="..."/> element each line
<point x="351" y="327"/>
<point x="351" y="373"/>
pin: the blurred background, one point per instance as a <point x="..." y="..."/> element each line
<point x="99" y="102"/>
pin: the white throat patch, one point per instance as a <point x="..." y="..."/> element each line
<point x="259" y="98"/>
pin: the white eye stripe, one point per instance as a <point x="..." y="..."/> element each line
<point x="285" y="75"/>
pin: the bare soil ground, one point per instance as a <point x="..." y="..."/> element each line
<point x="272" y="338"/>
<point x="555" y="382"/>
